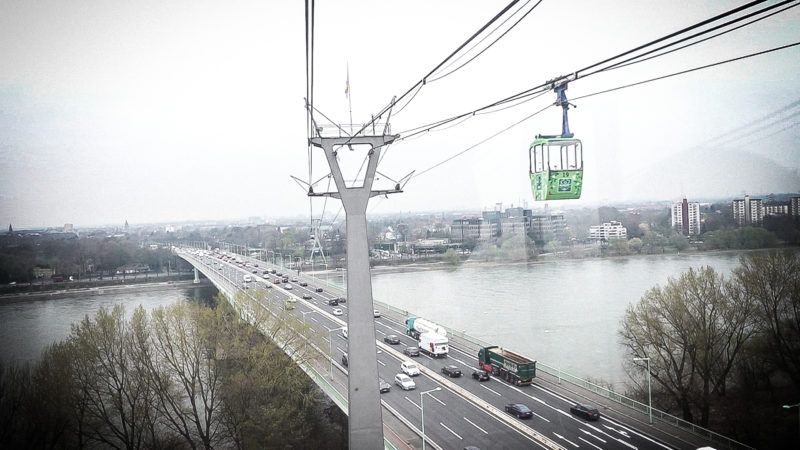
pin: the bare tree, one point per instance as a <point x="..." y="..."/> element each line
<point x="692" y="330"/>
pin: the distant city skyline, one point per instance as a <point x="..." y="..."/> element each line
<point x="170" y="112"/>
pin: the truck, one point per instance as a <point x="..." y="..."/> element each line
<point x="415" y="326"/>
<point x="434" y="345"/>
<point x="507" y="365"/>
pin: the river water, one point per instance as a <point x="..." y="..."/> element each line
<point x="565" y="313"/>
<point x="26" y="328"/>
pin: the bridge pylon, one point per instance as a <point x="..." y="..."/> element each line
<point x="365" y="421"/>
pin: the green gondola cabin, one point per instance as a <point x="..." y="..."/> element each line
<point x="556" y="168"/>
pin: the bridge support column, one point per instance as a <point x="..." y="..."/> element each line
<point x="365" y="422"/>
<point x="196" y="275"/>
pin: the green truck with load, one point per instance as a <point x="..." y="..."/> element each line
<point x="507" y="365"/>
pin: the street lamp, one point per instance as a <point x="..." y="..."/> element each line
<point x="798" y="413"/>
<point x="330" y="351"/>
<point x="304" y="315"/>
<point x="422" y="409"/>
<point x="649" y="393"/>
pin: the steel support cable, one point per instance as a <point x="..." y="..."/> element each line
<point x="756" y="126"/>
<point x="493" y="42"/>
<point x="670" y="36"/>
<point x="639" y="58"/>
<point x="423" y="80"/>
<point x="682" y="72"/>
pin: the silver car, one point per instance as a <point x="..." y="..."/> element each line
<point x="404" y="381"/>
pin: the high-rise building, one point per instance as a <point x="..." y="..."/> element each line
<point x="794" y="208"/>
<point x="686" y="217"/>
<point x="748" y="211"/>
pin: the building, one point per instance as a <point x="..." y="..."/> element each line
<point x="794" y="209"/>
<point x="608" y="230"/>
<point x="776" y="209"/>
<point x="686" y="217"/>
<point x="748" y="211"/>
<point x="465" y="229"/>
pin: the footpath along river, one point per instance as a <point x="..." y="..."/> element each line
<point x="562" y="313"/>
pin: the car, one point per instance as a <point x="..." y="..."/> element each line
<point x="376" y="313"/>
<point x="337" y="311"/>
<point x="344" y="359"/>
<point x="303" y="283"/>
<point x="411" y="351"/>
<point x="277" y="281"/>
<point x="272" y="271"/>
<point x="333" y="302"/>
<point x="409" y="368"/>
<point x="294" y="280"/>
<point x="585" y="411"/>
<point x="451" y="371"/>
<point x="404" y="381"/>
<point x="519" y="410"/>
<point x="269" y="286"/>
<point x="383" y="386"/>
<point x="306" y="296"/>
<point x="391" y="339"/>
<point x="342" y="299"/>
<point x="344" y="332"/>
<point x="319" y="289"/>
<point x="480" y="375"/>
<point x="255" y="271"/>
<point x="287" y="286"/>
<point x="266" y="272"/>
<point x="285" y="279"/>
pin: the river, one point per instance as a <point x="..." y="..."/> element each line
<point x="27" y="327"/>
<point x="565" y="313"/>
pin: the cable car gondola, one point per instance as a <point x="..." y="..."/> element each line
<point x="556" y="162"/>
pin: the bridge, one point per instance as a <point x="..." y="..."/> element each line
<point x="441" y="412"/>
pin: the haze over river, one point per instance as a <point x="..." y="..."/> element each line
<point x="564" y="313"/>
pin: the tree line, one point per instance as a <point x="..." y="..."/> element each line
<point x="184" y="376"/>
<point x="723" y="353"/>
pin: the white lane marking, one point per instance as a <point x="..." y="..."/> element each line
<point x="431" y="396"/>
<point x="379" y="331"/>
<point x="448" y="429"/>
<point x="315" y="320"/>
<point x="476" y="426"/>
<point x="628" y="430"/>
<point x="492" y="391"/>
<point x="596" y="437"/>
<point x="627" y="444"/>
<point x="584" y="440"/>
<point x="412" y="402"/>
<point x="337" y="348"/>
<point x="562" y="437"/>
<point x="462" y="362"/>
<point x="381" y="363"/>
<point x="541" y="417"/>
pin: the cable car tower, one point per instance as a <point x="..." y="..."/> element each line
<point x="556" y="162"/>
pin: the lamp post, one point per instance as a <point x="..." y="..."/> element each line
<point x="649" y="393"/>
<point x="422" y="413"/>
<point x="797" y="405"/>
<point x="304" y="315"/>
<point x="330" y="351"/>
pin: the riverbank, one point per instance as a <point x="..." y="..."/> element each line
<point x="122" y="287"/>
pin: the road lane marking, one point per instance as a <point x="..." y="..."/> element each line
<point x="476" y="426"/>
<point x="381" y="362"/>
<point x="562" y="437"/>
<point x="379" y="331"/>
<point x="596" y="437"/>
<point x="431" y="396"/>
<point x="584" y="440"/>
<point x="412" y="402"/>
<point x="627" y="444"/>
<point x="448" y="429"/>
<point x="492" y="391"/>
<point x="462" y="362"/>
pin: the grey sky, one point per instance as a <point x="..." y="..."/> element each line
<point x="182" y="110"/>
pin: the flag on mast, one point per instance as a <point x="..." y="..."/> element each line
<point x="347" y="86"/>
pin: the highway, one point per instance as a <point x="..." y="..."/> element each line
<point x="465" y="411"/>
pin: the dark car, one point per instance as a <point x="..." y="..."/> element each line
<point x="285" y="279"/>
<point x="344" y="360"/>
<point x="303" y="283"/>
<point x="272" y="271"/>
<point x="585" y="411"/>
<point x="451" y="371"/>
<point x="480" y="375"/>
<point x="411" y="351"/>
<point x="333" y="302"/>
<point x="384" y="386"/>
<point x="519" y="410"/>
<point x="306" y="296"/>
<point x="319" y="289"/>
<point x="342" y="299"/>
<point x="391" y="339"/>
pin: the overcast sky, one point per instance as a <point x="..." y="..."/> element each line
<point x="166" y="111"/>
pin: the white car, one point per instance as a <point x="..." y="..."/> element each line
<point x="337" y="311"/>
<point x="376" y="313"/>
<point x="404" y="381"/>
<point x="344" y="332"/>
<point x="410" y="368"/>
<point x="288" y="287"/>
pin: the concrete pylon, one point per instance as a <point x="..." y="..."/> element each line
<point x="365" y="421"/>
